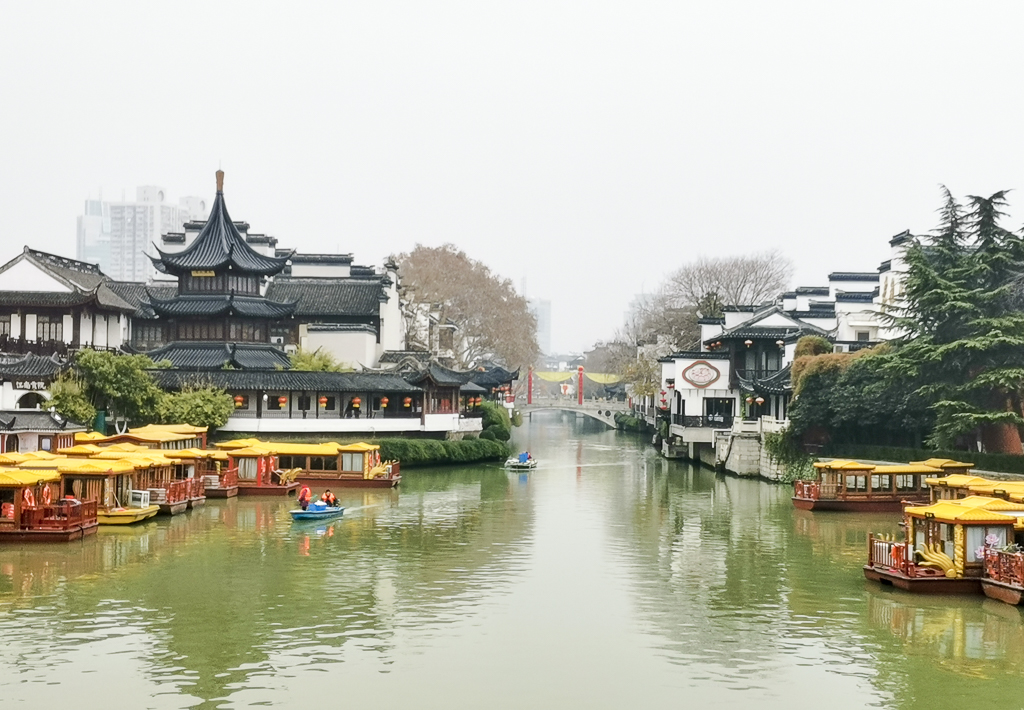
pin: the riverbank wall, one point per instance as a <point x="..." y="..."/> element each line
<point x="739" y="450"/>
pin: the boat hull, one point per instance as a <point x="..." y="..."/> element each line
<point x="881" y="505"/>
<point x="127" y="516"/>
<point x="197" y="502"/>
<point x="923" y="585"/>
<point x="173" y="508"/>
<point x="286" y="490"/>
<point x="229" y="492"/>
<point x="1000" y="591"/>
<point x="354" y="482"/>
<point x="74" y="533"/>
<point x="316" y="514"/>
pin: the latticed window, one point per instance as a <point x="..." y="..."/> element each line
<point x="5" y="324"/>
<point x="49" y="328"/>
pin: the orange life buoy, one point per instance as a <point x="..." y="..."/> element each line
<point x="28" y="499"/>
<point x="47" y="496"/>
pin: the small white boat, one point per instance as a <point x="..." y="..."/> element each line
<point x="517" y="463"/>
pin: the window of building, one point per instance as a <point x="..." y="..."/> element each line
<point x="331" y="403"/>
<point x="46" y="443"/>
<point x="303" y="402"/>
<point x="863" y="336"/>
<point x="274" y="402"/>
<point x="49" y="328"/>
<point x="5" y="324"/>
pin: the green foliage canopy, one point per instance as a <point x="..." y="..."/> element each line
<point x="198" y="406"/>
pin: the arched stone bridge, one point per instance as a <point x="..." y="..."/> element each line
<point x="603" y="412"/>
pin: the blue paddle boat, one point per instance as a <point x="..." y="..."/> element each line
<point x="317" y="510"/>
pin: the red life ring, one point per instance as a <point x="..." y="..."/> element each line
<point x="47" y="497"/>
<point x="28" y="499"/>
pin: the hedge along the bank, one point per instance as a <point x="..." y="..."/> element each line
<point x="1002" y="463"/>
<point x="427" y="452"/>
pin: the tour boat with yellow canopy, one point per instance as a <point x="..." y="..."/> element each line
<point x="32" y="509"/>
<point x="112" y="485"/>
<point x="208" y="467"/>
<point x="944" y="545"/>
<point x="844" y="485"/>
<point x="331" y="465"/>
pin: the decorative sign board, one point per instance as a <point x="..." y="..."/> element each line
<point x="701" y="374"/>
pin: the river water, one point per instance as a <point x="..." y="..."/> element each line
<point x="606" y="578"/>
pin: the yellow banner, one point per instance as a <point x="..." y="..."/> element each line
<point x="555" y="376"/>
<point x="599" y="377"/>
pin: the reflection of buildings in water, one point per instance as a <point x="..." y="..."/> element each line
<point x="222" y="593"/>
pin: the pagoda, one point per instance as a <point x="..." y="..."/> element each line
<point x="219" y="316"/>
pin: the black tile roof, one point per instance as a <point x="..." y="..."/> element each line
<point x="440" y="375"/>
<point x="900" y="238"/>
<point x="35" y="420"/>
<point x="493" y="376"/>
<point x="137" y="293"/>
<point x="300" y="258"/>
<point x="854" y="297"/>
<point x="31" y="365"/>
<point x="218" y="247"/>
<point x="321" y="297"/>
<point x="285" y="380"/>
<point x="776" y="383"/>
<point x="711" y="321"/>
<point x="221" y="304"/>
<point x="87" y="283"/>
<point x="202" y="356"/>
<point x="885" y="266"/>
<point x="695" y="355"/>
<point x="853" y="276"/>
<point x="812" y="290"/>
<point x="341" y="328"/>
<point x="394" y="356"/>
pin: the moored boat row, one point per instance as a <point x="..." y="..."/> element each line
<point x="130" y="477"/>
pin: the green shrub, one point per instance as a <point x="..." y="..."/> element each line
<point x="428" y="452"/>
<point x="488" y="435"/>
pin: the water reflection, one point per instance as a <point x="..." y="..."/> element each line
<point x="605" y="578"/>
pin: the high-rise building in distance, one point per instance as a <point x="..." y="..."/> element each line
<point x="541" y="310"/>
<point x="118" y="235"/>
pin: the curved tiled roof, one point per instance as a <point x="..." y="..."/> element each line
<point x="138" y="294"/>
<point x="30" y="365"/>
<point x="285" y="380"/>
<point x="219" y="246"/>
<point x="202" y="356"/>
<point x="329" y="297"/>
<point x="221" y="304"/>
<point x="775" y="383"/>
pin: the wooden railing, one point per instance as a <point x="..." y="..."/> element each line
<point x="889" y="554"/>
<point x="1005" y="567"/>
<point x="806" y="489"/>
<point x="62" y="515"/>
<point x="197" y="487"/>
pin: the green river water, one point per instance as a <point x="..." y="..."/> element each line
<point x="606" y="578"/>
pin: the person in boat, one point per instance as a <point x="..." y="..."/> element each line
<point x="329" y="498"/>
<point x="304" y="497"/>
<point x="524" y="457"/>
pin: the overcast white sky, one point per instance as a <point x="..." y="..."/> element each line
<point x="588" y="146"/>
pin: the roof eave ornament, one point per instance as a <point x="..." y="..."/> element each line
<point x="220" y="181"/>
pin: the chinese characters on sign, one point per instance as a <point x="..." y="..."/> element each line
<point x="29" y="385"/>
<point x="701" y="374"/>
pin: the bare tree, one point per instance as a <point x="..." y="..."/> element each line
<point x="494" y="321"/>
<point x="709" y="283"/>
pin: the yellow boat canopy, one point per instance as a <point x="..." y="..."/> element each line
<point x="956" y="480"/>
<point x="356" y="447"/>
<point x="153" y="436"/>
<point x="906" y="468"/>
<point x="990" y="503"/>
<point x="238" y="443"/>
<point x="951" y="512"/>
<point x="87" y="436"/>
<point x="845" y="465"/>
<point x="944" y="464"/>
<point x="93" y="467"/>
<point x="80" y="450"/>
<point x="42" y="463"/>
<point x="251" y="451"/>
<point x="173" y="428"/>
<point x="20" y="479"/>
<point x="196" y="454"/>
<point x="990" y="487"/>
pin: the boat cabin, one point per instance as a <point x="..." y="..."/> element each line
<point x="209" y="468"/>
<point x="953" y="486"/>
<point x="856" y="486"/>
<point x="943" y="551"/>
<point x="31" y="509"/>
<point x="357" y="465"/>
<point x="259" y="473"/>
<point x="111" y="485"/>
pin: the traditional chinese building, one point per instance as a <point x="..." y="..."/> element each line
<point x="219" y="315"/>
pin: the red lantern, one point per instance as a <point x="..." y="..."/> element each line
<point x="356" y="402"/>
<point x="282" y="400"/>
<point x="384" y="401"/>
<point x="239" y="399"/>
<point x="759" y="400"/>
<point x="322" y="401"/>
<point x="750" y="400"/>
<point x="407" y="401"/>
